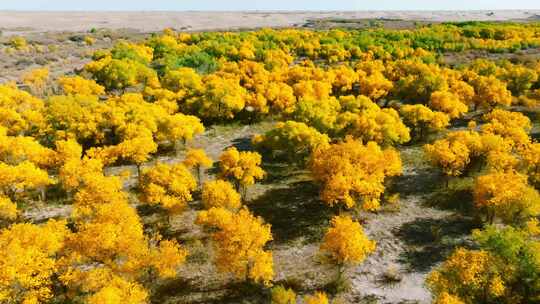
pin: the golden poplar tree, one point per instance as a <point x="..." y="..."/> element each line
<point x="316" y="298"/>
<point x="169" y="186"/>
<point x="28" y="261"/>
<point x="506" y="195"/>
<point x="198" y="160"/>
<point x="351" y="173"/>
<point x="220" y="193"/>
<point x="346" y="243"/>
<point x="243" y="168"/>
<point x="239" y="241"/>
<point x="467" y="276"/>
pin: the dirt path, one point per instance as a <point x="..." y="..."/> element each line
<point x="411" y="241"/>
<point x="373" y="278"/>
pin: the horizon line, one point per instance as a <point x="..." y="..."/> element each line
<point x="266" y="11"/>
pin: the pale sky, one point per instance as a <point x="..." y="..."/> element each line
<point x="218" y="5"/>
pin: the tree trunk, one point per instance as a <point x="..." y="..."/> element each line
<point x="42" y="194"/>
<point x="139" y="175"/>
<point x="199" y="176"/>
<point x="243" y="191"/>
<point x="341" y="269"/>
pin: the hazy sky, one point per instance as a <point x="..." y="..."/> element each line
<point x="267" y="5"/>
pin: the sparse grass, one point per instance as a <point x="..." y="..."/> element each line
<point x="340" y="285"/>
<point x="391" y="275"/>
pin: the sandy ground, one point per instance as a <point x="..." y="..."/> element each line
<point x="195" y="21"/>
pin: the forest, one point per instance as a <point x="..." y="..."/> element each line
<point x="276" y="166"/>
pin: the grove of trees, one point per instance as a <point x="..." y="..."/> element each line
<point x="343" y="105"/>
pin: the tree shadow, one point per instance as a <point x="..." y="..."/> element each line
<point x="174" y="287"/>
<point x="423" y="181"/>
<point x="535" y="136"/>
<point x="192" y="291"/>
<point x="294" y="211"/>
<point x="429" y="241"/>
<point x="454" y="200"/>
<point x="243" y="292"/>
<point x="280" y="173"/>
<point x="243" y="144"/>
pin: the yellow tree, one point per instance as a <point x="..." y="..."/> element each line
<point x="67" y="150"/>
<point x="74" y="170"/>
<point x="316" y="298"/>
<point x="320" y="114"/>
<point x="77" y="85"/>
<point x="16" y="149"/>
<point x="506" y="195"/>
<point x="512" y="126"/>
<point x="220" y="193"/>
<point x="20" y="180"/>
<point x="281" y="295"/>
<point x="490" y="92"/>
<point x="344" y="80"/>
<point x="281" y="97"/>
<point x="346" y="243"/>
<point x="384" y="127"/>
<point x="137" y="150"/>
<point x="109" y="236"/>
<point x="366" y="121"/>
<point x="519" y="79"/>
<point x="221" y="99"/>
<point x="448" y="103"/>
<point x="121" y="73"/>
<point x="28" y="261"/>
<point x="8" y="209"/>
<point x="313" y="89"/>
<point x="177" y="127"/>
<point x="446" y="298"/>
<point x="468" y="275"/>
<point x="183" y="81"/>
<point x="197" y="159"/>
<point x="23" y="166"/>
<point x="456" y="152"/>
<point x="374" y="85"/>
<point x="106" y="287"/>
<point x="242" y="167"/>
<point x="36" y="79"/>
<point x="239" y="242"/>
<point x="351" y="172"/>
<point x="169" y="186"/>
<point x="422" y="120"/>
<point x="295" y="139"/>
<point x="20" y="112"/>
<point x="531" y="157"/>
<point x="80" y="117"/>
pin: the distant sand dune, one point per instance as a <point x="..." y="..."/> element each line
<point x="150" y="21"/>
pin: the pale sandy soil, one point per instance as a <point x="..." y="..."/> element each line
<point x="149" y="21"/>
